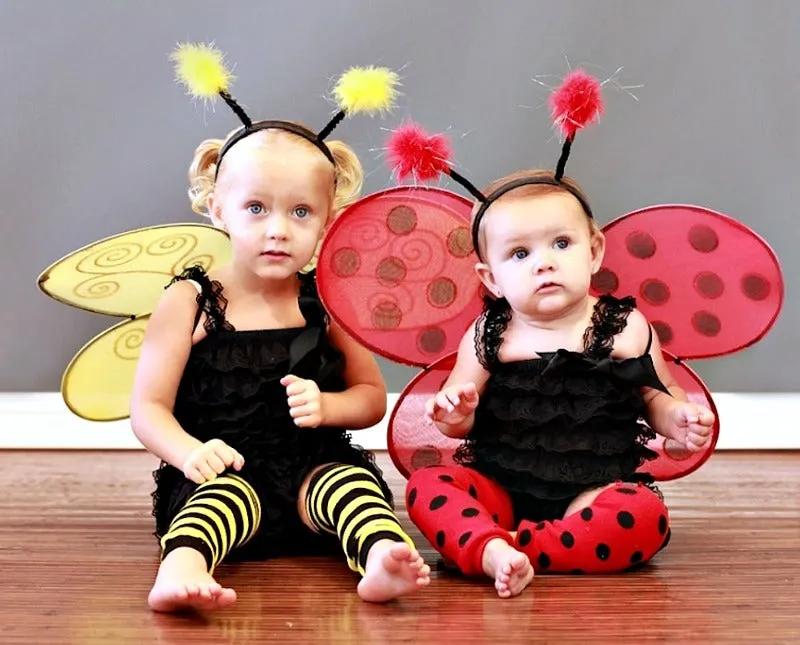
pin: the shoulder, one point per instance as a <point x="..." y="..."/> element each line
<point x="634" y="338"/>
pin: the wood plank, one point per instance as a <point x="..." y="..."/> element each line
<point x="77" y="559"/>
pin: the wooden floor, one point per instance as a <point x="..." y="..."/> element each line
<point x="77" y="560"/>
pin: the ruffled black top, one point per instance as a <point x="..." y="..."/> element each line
<point x="231" y="390"/>
<point x="550" y="427"/>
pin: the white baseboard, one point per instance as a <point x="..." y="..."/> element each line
<point x="40" y="420"/>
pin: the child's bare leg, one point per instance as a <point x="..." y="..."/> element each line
<point x="349" y="502"/>
<point x="511" y="570"/>
<point x="183" y="582"/>
<point x="219" y="516"/>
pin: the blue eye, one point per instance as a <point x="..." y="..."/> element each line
<point x="520" y="254"/>
<point x="562" y="243"/>
<point x="301" y="211"/>
<point x="255" y="209"/>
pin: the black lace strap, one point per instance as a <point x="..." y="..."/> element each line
<point x="210" y="299"/>
<point x="608" y="319"/>
<point x="489" y="331"/>
<point x="309" y="301"/>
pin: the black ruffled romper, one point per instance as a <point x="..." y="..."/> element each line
<point x="548" y="428"/>
<point x="231" y="390"/>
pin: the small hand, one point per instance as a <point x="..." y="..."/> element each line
<point x="305" y="401"/>
<point x="452" y="405"/>
<point x="692" y="425"/>
<point x="210" y="459"/>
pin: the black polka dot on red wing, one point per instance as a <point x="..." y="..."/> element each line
<point x="709" y="284"/>
<point x="703" y="238"/>
<point x="470" y="512"/>
<point x="755" y="287"/>
<point x="655" y="292"/>
<point x="605" y="281"/>
<point x="625" y="520"/>
<point x="603" y="552"/>
<point x="586" y="514"/>
<point x="567" y="539"/>
<point x="666" y="539"/>
<point x="640" y="245"/>
<point x="663" y="331"/>
<point x="473" y="492"/>
<point x="662" y="524"/>
<point x="637" y="557"/>
<point x="426" y="456"/>
<point x="496" y="518"/>
<point x="446" y="478"/>
<point x="540" y="526"/>
<point x="412" y="497"/>
<point x="440" y="539"/>
<point x="706" y="323"/>
<point x="525" y="537"/>
<point x="464" y="538"/>
<point x="625" y="490"/>
<point x="543" y="560"/>
<point x="438" y="502"/>
<point x="432" y="340"/>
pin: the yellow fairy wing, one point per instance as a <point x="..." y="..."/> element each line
<point x="125" y="275"/>
<point x="98" y="381"/>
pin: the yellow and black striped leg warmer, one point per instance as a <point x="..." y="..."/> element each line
<point x="347" y="501"/>
<point x="219" y="516"/>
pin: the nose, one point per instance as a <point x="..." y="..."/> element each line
<point x="544" y="263"/>
<point x="277" y="228"/>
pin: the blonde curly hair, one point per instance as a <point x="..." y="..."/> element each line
<point x="348" y="172"/>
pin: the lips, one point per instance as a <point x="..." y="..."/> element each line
<point x="275" y="254"/>
<point x="548" y="285"/>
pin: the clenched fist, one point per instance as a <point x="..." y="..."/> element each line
<point x="210" y="459"/>
<point x="305" y="401"/>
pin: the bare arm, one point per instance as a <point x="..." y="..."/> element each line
<point x="659" y="404"/>
<point x="165" y="350"/>
<point x="467" y="370"/>
<point x="363" y="403"/>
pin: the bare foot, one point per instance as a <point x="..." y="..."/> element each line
<point x="393" y="570"/>
<point x="511" y="570"/>
<point x="183" y="582"/>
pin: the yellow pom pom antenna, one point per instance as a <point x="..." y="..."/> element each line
<point x="201" y="68"/>
<point x="366" y="89"/>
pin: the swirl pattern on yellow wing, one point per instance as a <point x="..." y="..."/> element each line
<point x="98" y="382"/>
<point x="124" y="275"/>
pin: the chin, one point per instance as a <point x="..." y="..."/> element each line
<point x="280" y="272"/>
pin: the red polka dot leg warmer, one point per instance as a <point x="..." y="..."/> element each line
<point x="459" y="511"/>
<point x="624" y="527"/>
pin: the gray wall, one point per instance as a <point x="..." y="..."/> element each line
<point x="95" y="136"/>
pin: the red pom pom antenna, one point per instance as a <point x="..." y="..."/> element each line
<point x="415" y="153"/>
<point x="577" y="102"/>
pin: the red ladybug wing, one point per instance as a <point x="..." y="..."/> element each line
<point x="396" y="271"/>
<point x="413" y="443"/>
<point x="708" y="284"/>
<point x="674" y="461"/>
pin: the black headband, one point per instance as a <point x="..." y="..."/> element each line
<point x="288" y="126"/>
<point x="516" y="183"/>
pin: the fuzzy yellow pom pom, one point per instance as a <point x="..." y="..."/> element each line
<point x="201" y="69"/>
<point x="366" y="89"/>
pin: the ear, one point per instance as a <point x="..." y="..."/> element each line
<point x="487" y="278"/>
<point x="215" y="212"/>
<point x="598" y="250"/>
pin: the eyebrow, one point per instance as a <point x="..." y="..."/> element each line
<point x="542" y="233"/>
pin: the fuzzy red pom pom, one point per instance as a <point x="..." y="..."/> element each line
<point x="576" y="102"/>
<point x="413" y="152"/>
